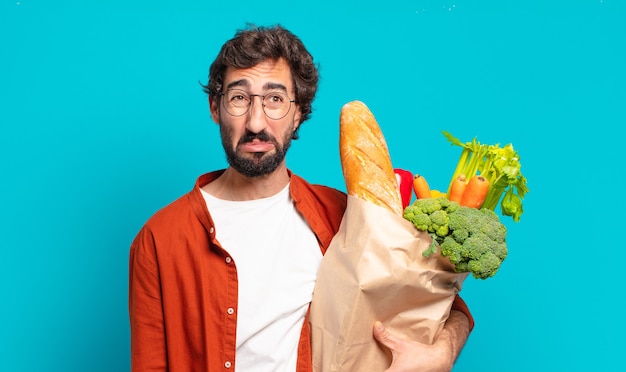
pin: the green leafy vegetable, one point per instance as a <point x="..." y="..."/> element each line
<point x="500" y="166"/>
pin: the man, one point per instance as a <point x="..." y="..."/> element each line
<point x="222" y="278"/>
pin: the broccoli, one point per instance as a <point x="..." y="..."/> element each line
<point x="452" y="249"/>
<point x="431" y="215"/>
<point x="419" y="219"/>
<point x="474" y="240"/>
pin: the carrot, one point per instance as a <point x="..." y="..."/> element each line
<point x="475" y="192"/>
<point x="421" y="188"/>
<point x="457" y="187"/>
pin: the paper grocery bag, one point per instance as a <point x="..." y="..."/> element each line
<point x="374" y="270"/>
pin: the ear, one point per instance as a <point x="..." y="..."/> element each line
<point x="296" y="118"/>
<point x="214" y="107"/>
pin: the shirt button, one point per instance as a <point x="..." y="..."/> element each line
<point x="227" y="364"/>
<point x="230" y="311"/>
<point x="212" y="229"/>
<point x="228" y="260"/>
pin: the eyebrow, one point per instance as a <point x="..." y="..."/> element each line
<point x="246" y="84"/>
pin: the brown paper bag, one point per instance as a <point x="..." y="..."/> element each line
<point x="374" y="270"/>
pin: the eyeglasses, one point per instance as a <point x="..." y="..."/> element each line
<point x="237" y="102"/>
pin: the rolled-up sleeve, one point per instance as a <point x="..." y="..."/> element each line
<point x="461" y="306"/>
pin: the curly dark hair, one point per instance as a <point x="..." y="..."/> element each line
<point x="255" y="44"/>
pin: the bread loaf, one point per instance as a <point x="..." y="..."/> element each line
<point x="365" y="159"/>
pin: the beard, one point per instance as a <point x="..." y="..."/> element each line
<point x="260" y="164"/>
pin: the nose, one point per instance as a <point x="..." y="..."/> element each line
<point x="257" y="121"/>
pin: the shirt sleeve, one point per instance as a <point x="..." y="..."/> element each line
<point x="460" y="305"/>
<point x="147" y="328"/>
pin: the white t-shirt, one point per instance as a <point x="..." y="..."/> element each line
<point x="277" y="257"/>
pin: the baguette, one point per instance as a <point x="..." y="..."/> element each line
<point x="365" y="159"/>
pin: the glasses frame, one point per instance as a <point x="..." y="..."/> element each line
<point x="251" y="96"/>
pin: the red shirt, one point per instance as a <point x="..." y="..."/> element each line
<point x="183" y="284"/>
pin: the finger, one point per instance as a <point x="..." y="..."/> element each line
<point x="383" y="336"/>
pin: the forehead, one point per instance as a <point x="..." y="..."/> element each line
<point x="265" y="75"/>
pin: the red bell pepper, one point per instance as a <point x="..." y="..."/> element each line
<point x="405" y="182"/>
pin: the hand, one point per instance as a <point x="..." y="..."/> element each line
<point x="416" y="356"/>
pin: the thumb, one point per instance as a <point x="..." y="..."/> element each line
<point x="384" y="337"/>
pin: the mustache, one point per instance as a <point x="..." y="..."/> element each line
<point x="261" y="136"/>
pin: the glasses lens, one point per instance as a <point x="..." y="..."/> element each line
<point x="276" y="105"/>
<point x="236" y="102"/>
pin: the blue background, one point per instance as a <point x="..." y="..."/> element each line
<point x="103" y="122"/>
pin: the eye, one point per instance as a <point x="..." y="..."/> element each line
<point x="238" y="98"/>
<point x="275" y="99"/>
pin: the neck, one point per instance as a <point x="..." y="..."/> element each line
<point x="232" y="185"/>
